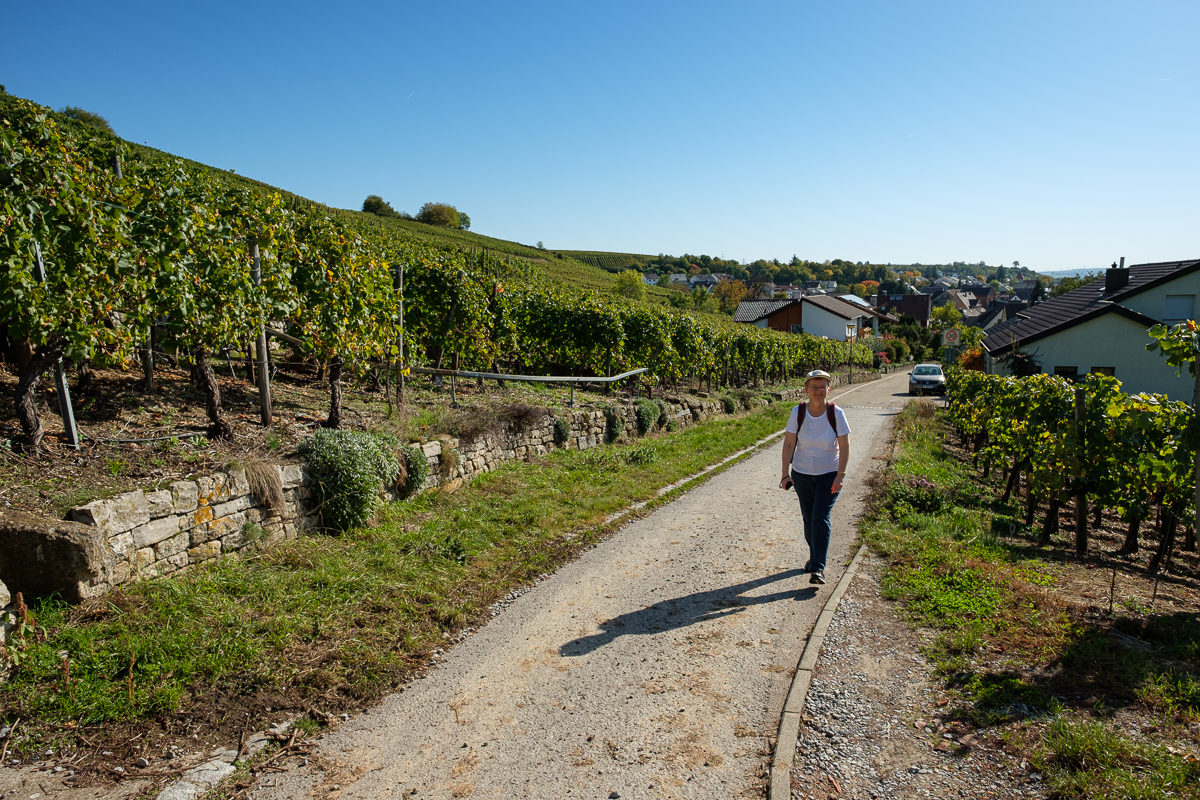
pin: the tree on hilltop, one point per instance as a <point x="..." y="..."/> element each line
<point x="89" y="118"/>
<point x="374" y="204"/>
<point x="442" y="215"/>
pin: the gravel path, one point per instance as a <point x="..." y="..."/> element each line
<point x="655" y="666"/>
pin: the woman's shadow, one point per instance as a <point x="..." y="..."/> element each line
<point x="680" y="612"/>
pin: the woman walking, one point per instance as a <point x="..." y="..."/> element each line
<point x="816" y="448"/>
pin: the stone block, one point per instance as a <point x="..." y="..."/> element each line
<point x="5" y="596"/>
<point x="292" y="475"/>
<point x="232" y="506"/>
<point x="175" y="545"/>
<point x="432" y="449"/>
<point x="160" y="503"/>
<point x="39" y="557"/>
<point x="155" y="531"/>
<point x="116" y="514"/>
<point x="238" y="482"/>
<point x="186" y="496"/>
<point x="122" y="544"/>
<point x="177" y="561"/>
<point x="204" y="552"/>
<point x="142" y="563"/>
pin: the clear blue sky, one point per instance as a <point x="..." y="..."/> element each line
<point x="1058" y="134"/>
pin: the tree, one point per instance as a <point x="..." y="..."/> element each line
<point x="630" y="284"/>
<point x="464" y="222"/>
<point x="944" y="317"/>
<point x="440" y="214"/>
<point x="1065" y="285"/>
<point x="92" y="120"/>
<point x="730" y="293"/>
<point x="374" y="204"/>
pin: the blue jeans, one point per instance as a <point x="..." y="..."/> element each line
<point x="816" y="503"/>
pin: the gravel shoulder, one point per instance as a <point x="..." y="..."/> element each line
<point x="873" y="724"/>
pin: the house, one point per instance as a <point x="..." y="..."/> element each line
<point x="651" y="278"/>
<point x="1000" y="311"/>
<point x="918" y="306"/>
<point x="1101" y="327"/>
<point x="679" y="277"/>
<point x="707" y="281"/>
<point x="781" y="314"/>
<point x="820" y="315"/>
<point x="827" y="316"/>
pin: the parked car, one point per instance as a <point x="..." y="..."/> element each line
<point x="927" y="379"/>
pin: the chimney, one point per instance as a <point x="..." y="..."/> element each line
<point x="1116" y="278"/>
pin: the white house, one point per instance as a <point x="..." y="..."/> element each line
<point x="1102" y="327"/>
<point x="827" y="315"/>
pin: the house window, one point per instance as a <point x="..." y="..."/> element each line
<point x="1109" y="371"/>
<point x="1071" y="373"/>
<point x="794" y="328"/>
<point x="1178" y="307"/>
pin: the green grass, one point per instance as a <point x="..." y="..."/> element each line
<point x="961" y="565"/>
<point x="340" y="620"/>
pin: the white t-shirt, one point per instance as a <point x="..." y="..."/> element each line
<point x="816" y="444"/>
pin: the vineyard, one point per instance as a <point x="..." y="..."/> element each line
<point x="1088" y="445"/>
<point x="122" y="257"/>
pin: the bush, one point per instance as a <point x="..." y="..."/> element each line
<point x="562" y="431"/>
<point x="729" y="404"/>
<point x="647" y="413"/>
<point x="415" y="471"/>
<point x="663" y="417"/>
<point x="349" y="469"/>
<point x="916" y="493"/>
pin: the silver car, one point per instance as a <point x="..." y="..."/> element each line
<point x="927" y="379"/>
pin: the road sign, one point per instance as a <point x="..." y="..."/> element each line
<point x="951" y="337"/>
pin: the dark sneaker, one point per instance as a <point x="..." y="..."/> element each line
<point x="818" y="576"/>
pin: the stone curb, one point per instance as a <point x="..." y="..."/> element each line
<point x="793" y="707"/>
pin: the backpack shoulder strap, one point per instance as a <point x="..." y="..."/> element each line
<point x="801" y="413"/>
<point x="829" y="415"/>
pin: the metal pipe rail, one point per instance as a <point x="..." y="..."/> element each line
<point x="569" y="379"/>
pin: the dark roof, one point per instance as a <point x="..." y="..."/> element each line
<point x="754" y="310"/>
<point x="1080" y="305"/>
<point x="844" y="308"/>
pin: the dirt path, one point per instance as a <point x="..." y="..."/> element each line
<point x="654" y="666"/>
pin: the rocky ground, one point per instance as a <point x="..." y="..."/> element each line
<point x="874" y="722"/>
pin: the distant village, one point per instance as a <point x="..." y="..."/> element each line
<point x="1020" y="322"/>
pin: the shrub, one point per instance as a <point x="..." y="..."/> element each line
<point x="415" y="471"/>
<point x="647" y="413"/>
<point x="916" y="493"/>
<point x="562" y="431"/>
<point x="349" y="469"/>
<point x="662" y="413"/>
<point x="729" y="404"/>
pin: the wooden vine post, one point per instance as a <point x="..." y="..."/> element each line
<point x="60" y="374"/>
<point x="1081" y="522"/>
<point x="260" y="349"/>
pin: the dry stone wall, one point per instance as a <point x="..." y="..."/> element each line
<point x="147" y="534"/>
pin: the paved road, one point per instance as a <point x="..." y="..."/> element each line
<point x="655" y="666"/>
